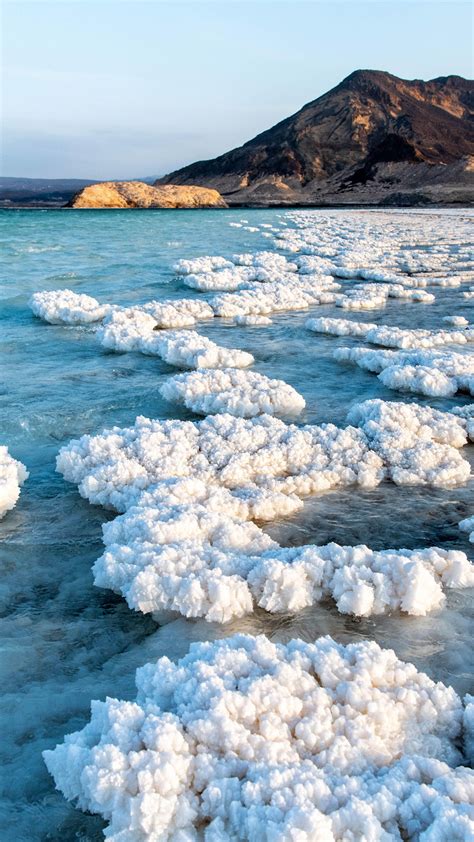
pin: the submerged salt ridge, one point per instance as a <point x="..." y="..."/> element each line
<point x="242" y="738"/>
<point x="12" y="476"/>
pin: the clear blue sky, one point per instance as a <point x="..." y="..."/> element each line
<point x="115" y="88"/>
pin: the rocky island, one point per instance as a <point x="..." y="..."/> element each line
<point x="137" y="194"/>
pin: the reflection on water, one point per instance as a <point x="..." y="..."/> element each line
<point x="64" y="642"/>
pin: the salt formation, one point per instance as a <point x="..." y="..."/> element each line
<point x="467" y="525"/>
<point x="239" y="393"/>
<point x="247" y="738"/>
<point x="214" y="273"/>
<point x="457" y="321"/>
<point x="260" y="299"/>
<point x="374" y="296"/>
<point x="186" y="548"/>
<point x="12" y="475"/>
<point x="261" y="321"/>
<point x="179" y="312"/>
<point x="263" y="460"/>
<point x="390" y="335"/>
<point x="350" y="245"/>
<point x="135" y="330"/>
<point x="65" y="307"/>
<point x="190" y="492"/>
<point x="433" y="373"/>
<point x="416" y="443"/>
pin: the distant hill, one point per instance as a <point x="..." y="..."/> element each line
<point x="373" y="139"/>
<point x="43" y="192"/>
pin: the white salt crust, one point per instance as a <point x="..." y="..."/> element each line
<point x="66" y="307"/>
<point x="432" y="373"/>
<point x="190" y="490"/>
<point x="412" y="250"/>
<point x="467" y="525"/>
<point x="262" y="321"/>
<point x="12" y="476"/>
<point x="247" y="739"/>
<point x="134" y="330"/>
<point x="390" y="336"/>
<point x="200" y="558"/>
<point x="227" y="390"/>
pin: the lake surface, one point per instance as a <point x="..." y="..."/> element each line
<point x="65" y="642"/>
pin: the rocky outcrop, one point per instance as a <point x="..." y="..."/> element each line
<point x="373" y="139"/>
<point x="137" y="194"/>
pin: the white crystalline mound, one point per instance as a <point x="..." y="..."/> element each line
<point x="186" y="547"/>
<point x="134" y="330"/>
<point x="201" y="264"/>
<point x="432" y="373"/>
<point x="124" y="330"/>
<point x="187" y="349"/>
<point x="418" y="444"/>
<point x="64" y="307"/>
<point x="248" y="321"/>
<point x="179" y="312"/>
<point x="12" y="476"/>
<point x="467" y="525"/>
<point x="390" y="335"/>
<point x="395" y="337"/>
<point x="214" y="273"/>
<point x="467" y="413"/>
<point x="265" y="457"/>
<point x="457" y="321"/>
<point x="227" y="390"/>
<point x="243" y="738"/>
<point x="271" y="297"/>
<point x="339" y="327"/>
<point x="224" y="279"/>
<point x="374" y="296"/>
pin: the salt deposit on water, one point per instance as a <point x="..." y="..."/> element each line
<point x="435" y="373"/>
<point x="206" y="751"/>
<point x="186" y="544"/>
<point x="244" y="394"/>
<point x="12" y="476"/>
<point x="244" y="739"/>
<point x="67" y="307"/>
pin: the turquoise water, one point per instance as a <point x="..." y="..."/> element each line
<point x="63" y="641"/>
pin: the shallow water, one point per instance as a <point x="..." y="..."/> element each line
<point x="64" y="641"/>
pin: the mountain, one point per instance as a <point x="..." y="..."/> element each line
<point x="137" y="194"/>
<point x="373" y="139"/>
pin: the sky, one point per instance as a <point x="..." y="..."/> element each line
<point x="109" y="89"/>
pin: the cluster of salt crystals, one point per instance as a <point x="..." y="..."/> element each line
<point x="191" y="490"/>
<point x="467" y="525"/>
<point x="262" y="281"/>
<point x="12" y="476"/>
<point x="390" y="336"/>
<point x="228" y="390"/>
<point x="255" y="740"/>
<point x="185" y="547"/>
<point x="135" y="330"/>
<point x="432" y="373"/>
<point x="257" y="321"/>
<point x="349" y="245"/>
<point x="63" y="306"/>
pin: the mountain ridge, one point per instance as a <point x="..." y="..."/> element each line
<point x="353" y="143"/>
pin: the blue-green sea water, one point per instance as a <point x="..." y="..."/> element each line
<point x="64" y="642"/>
